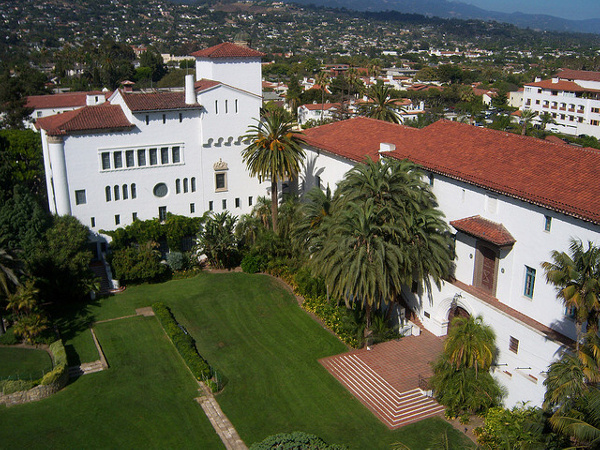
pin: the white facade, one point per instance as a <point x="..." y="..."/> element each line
<point x="523" y="312"/>
<point x="572" y="98"/>
<point x="142" y="155"/>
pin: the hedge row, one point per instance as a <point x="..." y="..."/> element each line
<point x="59" y="358"/>
<point x="298" y="440"/>
<point x="185" y="345"/>
<point x="332" y="316"/>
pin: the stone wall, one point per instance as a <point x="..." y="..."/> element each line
<point x="37" y="393"/>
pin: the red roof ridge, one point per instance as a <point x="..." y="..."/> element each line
<point x="485" y="229"/>
<point x="97" y="117"/>
<point x="228" y="50"/>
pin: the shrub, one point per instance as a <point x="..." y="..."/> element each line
<point x="9" y="338"/>
<point x="251" y="264"/>
<point x="309" y="286"/>
<point x="59" y="358"/>
<point x="176" y="261"/>
<point x="138" y="264"/>
<point x="337" y="318"/>
<point x="12" y="386"/>
<point x="298" y="440"/>
<point x="185" y="345"/>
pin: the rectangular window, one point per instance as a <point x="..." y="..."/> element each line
<point x="220" y="182"/>
<point x="237" y="202"/>
<point x="129" y="158"/>
<point x="80" y="197"/>
<point x="147" y="119"/>
<point x="117" y="219"/>
<point x="134" y="216"/>
<point x="250" y="201"/>
<point x="547" y="223"/>
<point x="224" y="204"/>
<point x="216" y="106"/>
<point x="176" y="155"/>
<point x="210" y="205"/>
<point x="118" y="159"/>
<point x="164" y="155"/>
<point x="105" y="161"/>
<point x="164" y="118"/>
<point x="513" y="345"/>
<point x="180" y="117"/>
<point x="141" y="157"/>
<point x="93" y="222"/>
<point x="226" y="107"/>
<point x="430" y="179"/>
<point x="571" y="312"/>
<point x="236" y="105"/>
<point x="162" y="213"/>
<point x="192" y="208"/>
<point x="153" y="156"/>
<point x="529" y="282"/>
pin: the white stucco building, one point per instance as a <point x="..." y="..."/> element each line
<point x="572" y="98"/>
<point x="510" y="204"/>
<point x="144" y="154"/>
<point x="49" y="105"/>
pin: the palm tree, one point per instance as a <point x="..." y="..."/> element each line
<point x="582" y="426"/>
<point x="275" y="152"/>
<point x="577" y="281"/>
<point x="9" y="266"/>
<point x="24" y="301"/>
<point x="315" y="210"/>
<point x="218" y="240"/>
<point x="381" y="104"/>
<point x="322" y="79"/>
<point x="527" y="115"/>
<point x="470" y="344"/>
<point x="545" y="119"/>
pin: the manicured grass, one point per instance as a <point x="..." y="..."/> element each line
<point x="144" y="400"/>
<point x="248" y="327"/>
<point x="23" y="363"/>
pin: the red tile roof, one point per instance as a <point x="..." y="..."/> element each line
<point x="558" y="177"/>
<point x="228" y="50"/>
<point x="561" y="85"/>
<point x="584" y="75"/>
<point x="317" y="106"/>
<point x="156" y="101"/>
<point x="88" y="118"/>
<point x="64" y="100"/>
<point x="485" y="229"/>
<point x="204" y="84"/>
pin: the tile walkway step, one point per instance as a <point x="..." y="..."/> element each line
<point x="391" y="406"/>
<point x="85" y="368"/>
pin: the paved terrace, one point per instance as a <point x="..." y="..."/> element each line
<point x="386" y="378"/>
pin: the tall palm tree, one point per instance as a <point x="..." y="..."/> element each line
<point x="577" y="281"/>
<point x="315" y="210"/>
<point x="322" y="79"/>
<point x="545" y="119"/>
<point x="381" y="104"/>
<point x="527" y="115"/>
<point x="275" y="152"/>
<point x="470" y="344"/>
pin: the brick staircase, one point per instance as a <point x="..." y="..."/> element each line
<point x="392" y="407"/>
<point x="98" y="268"/>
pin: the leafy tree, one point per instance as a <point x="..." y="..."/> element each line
<point x="31" y="326"/>
<point x="139" y="264"/>
<point x="9" y="268"/>
<point x="152" y="60"/>
<point x="381" y="103"/>
<point x="274" y="153"/>
<point x="21" y="162"/>
<point x="218" y="240"/>
<point x="576" y="278"/>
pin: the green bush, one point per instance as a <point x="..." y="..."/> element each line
<point x="185" y="345"/>
<point x="9" y="337"/>
<point x="298" y="440"/>
<point x="139" y="264"/>
<point x="309" y="286"/>
<point x="337" y="318"/>
<point x="59" y="358"/>
<point x="176" y="261"/>
<point x="251" y="264"/>
<point x="12" y="386"/>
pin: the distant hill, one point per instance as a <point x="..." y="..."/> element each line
<point x="458" y="10"/>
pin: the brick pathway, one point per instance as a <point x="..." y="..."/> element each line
<point x="386" y="378"/>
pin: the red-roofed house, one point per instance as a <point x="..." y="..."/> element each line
<point x="141" y="155"/>
<point x="48" y="105"/>
<point x="510" y="204"/>
<point x="571" y="97"/>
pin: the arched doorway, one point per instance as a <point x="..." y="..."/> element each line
<point x="457" y="311"/>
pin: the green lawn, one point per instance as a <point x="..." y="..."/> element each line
<point x="145" y="400"/>
<point x="248" y="327"/>
<point x="23" y="363"/>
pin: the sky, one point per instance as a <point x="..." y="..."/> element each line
<point x="568" y="9"/>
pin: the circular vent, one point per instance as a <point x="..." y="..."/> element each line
<point x="160" y="190"/>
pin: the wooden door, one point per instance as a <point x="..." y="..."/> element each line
<point x="488" y="269"/>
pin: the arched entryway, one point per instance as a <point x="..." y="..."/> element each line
<point x="456" y="311"/>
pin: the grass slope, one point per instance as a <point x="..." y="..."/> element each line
<point x="23" y="363"/>
<point x="144" y="400"/>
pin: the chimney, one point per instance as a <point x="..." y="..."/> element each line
<point x="555" y="80"/>
<point x="190" y="92"/>
<point x="538" y="79"/>
<point x="386" y="147"/>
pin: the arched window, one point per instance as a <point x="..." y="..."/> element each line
<point x="185" y="185"/>
<point x="216" y="106"/>
<point x="133" y="191"/>
<point x="107" y="192"/>
<point x="125" y="192"/>
<point x="226" y="106"/>
<point x="193" y="184"/>
<point x="177" y="186"/>
<point x="117" y="196"/>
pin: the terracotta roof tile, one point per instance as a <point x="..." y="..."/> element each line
<point x="558" y="177"/>
<point x="317" y="106"/>
<point x="228" y="50"/>
<point x="88" y="118"/>
<point x="64" y="100"/>
<point x="561" y="85"/>
<point x="579" y="75"/>
<point x="156" y="101"/>
<point x="204" y="84"/>
<point x="485" y="229"/>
